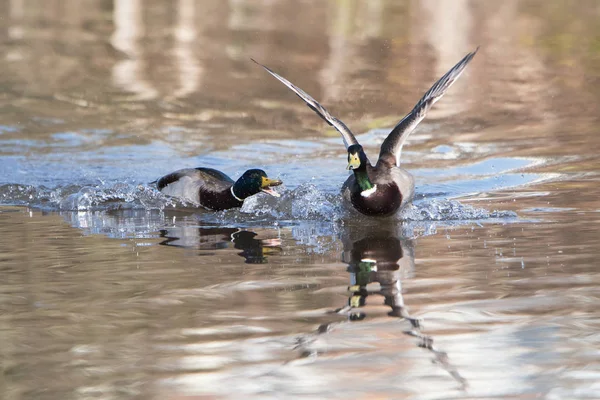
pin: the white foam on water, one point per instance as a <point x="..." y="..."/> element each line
<point x="306" y="202"/>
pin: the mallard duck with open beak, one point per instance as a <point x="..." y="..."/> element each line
<point x="214" y="190"/>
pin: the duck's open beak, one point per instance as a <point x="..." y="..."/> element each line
<point x="353" y="161"/>
<point x="268" y="183"/>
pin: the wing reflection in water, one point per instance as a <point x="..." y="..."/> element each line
<point x="255" y="251"/>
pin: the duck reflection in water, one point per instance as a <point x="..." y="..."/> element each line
<point x="254" y="251"/>
<point x="379" y="254"/>
<point x="378" y="257"/>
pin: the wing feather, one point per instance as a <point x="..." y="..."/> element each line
<point x="392" y="145"/>
<point x="347" y="135"/>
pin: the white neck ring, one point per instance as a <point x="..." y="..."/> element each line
<point x="233" y="194"/>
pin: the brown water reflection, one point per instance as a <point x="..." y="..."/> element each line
<point x="127" y="318"/>
<point x="129" y="304"/>
<point x="128" y="65"/>
<point x="253" y="250"/>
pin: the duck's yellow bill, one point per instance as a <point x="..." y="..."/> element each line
<point x="353" y="161"/>
<point x="266" y="185"/>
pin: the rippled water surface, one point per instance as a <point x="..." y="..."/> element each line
<point x="487" y="286"/>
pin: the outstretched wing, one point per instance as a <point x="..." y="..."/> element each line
<point x="392" y="145"/>
<point x="347" y="135"/>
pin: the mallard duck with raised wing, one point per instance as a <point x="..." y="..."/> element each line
<point x="385" y="188"/>
<point x="214" y="190"/>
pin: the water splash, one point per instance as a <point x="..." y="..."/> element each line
<point x="314" y="216"/>
<point x="304" y="203"/>
<point x="449" y="210"/>
<point x="85" y="198"/>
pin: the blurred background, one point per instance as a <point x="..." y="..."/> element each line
<point x="178" y="72"/>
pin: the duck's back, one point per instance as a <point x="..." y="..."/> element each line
<point x="189" y="183"/>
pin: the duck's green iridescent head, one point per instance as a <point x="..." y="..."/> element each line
<point x="254" y="181"/>
<point x="356" y="157"/>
